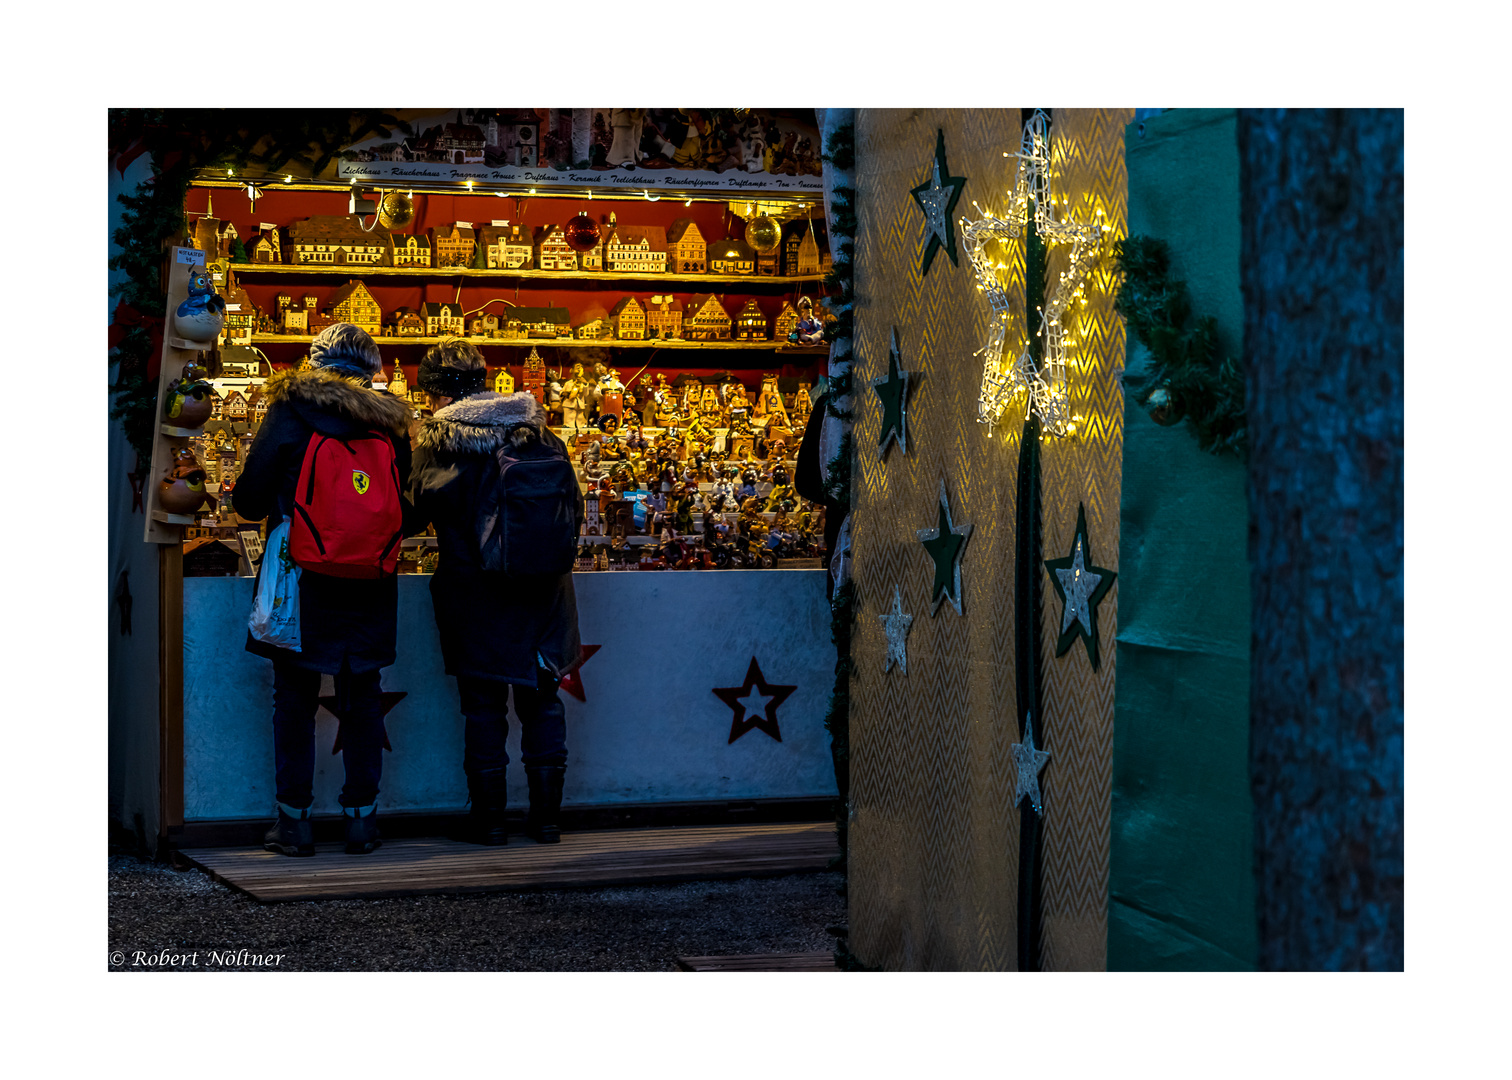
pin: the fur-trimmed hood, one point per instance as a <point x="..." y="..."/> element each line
<point x="481" y="423"/>
<point x="318" y="390"/>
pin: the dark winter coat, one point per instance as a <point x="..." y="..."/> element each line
<point x="492" y="625"/>
<point x="341" y="620"/>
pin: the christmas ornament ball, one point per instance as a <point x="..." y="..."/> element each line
<point x="763" y="233"/>
<point x="396" y="210"/>
<point x="581" y="233"/>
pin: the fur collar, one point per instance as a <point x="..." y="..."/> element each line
<point x="326" y="391"/>
<point x="481" y="423"/>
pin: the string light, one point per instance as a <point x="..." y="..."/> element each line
<point x="1045" y="386"/>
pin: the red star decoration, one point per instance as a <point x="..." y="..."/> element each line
<point x="390" y="699"/>
<point x="571" y="683"/>
<point x="736" y="697"/>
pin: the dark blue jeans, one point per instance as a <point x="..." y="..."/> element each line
<point x="296" y="693"/>
<point x="543" y="722"/>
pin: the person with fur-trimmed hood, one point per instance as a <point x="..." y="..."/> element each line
<point x="347" y="626"/>
<point x="500" y="634"/>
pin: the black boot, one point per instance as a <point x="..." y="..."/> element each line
<point x="361" y="829"/>
<point x="291" y="835"/>
<point x="485" y="819"/>
<point x="542" y="825"/>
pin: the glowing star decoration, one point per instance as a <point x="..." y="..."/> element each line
<point x="896" y="625"/>
<point x="1028" y="762"/>
<point x="755" y="703"/>
<point x="946" y="542"/>
<point x="1081" y="587"/>
<point x="937" y="197"/>
<point x="390" y="699"/>
<point x="1043" y="384"/>
<point x="893" y="390"/>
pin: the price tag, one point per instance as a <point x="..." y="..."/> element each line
<point x="496" y="221"/>
<point x="265" y="225"/>
<point x="189" y="256"/>
<point x="233" y="307"/>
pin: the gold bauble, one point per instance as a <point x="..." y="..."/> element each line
<point x="764" y="234"/>
<point x="396" y="210"/>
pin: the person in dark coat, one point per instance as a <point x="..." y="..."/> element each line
<point x="347" y="626"/>
<point x="500" y="634"/>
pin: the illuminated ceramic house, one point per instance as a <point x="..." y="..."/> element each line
<point x="593" y="258"/>
<point x="628" y="319"/>
<point x="241" y="315"/>
<point x="687" y="251"/>
<point x="750" y="324"/>
<point x="452" y="245"/>
<point x="786" y="321"/>
<point x="507" y="247"/>
<point x="533" y="377"/>
<point x="636" y="249"/>
<point x="552" y="251"/>
<point x="352" y="303"/>
<point x="594" y="329"/>
<point x="801" y="247"/>
<point x="409" y="250"/>
<point x="664" y="320"/>
<point x="407" y="322"/>
<point x="442" y="319"/>
<point x="705" y="319"/>
<point x="537" y="322"/>
<point x="265" y="247"/>
<point x="336" y="240"/>
<point x="732" y="257"/>
<point x="484" y="325"/>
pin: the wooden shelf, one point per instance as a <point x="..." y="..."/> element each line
<point x="569" y="343"/>
<point x="606" y="276"/>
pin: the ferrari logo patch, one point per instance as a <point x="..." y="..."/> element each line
<point x="360" y="481"/>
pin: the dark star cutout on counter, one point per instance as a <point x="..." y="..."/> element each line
<point x="571" y="683"/>
<point x="937" y="197"/>
<point x="1081" y="587"/>
<point x="755" y="703"/>
<point x="390" y="699"/>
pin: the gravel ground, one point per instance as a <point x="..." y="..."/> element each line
<point x="154" y="909"/>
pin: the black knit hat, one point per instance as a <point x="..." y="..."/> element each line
<point x="435" y="378"/>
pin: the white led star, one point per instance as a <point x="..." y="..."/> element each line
<point x="1078" y="583"/>
<point x="1029" y="762"/>
<point x="896" y="625"/>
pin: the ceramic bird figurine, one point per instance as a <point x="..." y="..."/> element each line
<point x="188" y="402"/>
<point x="203" y="312"/>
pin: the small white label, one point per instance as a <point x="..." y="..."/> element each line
<point x="265" y="225"/>
<point x="233" y="307"/>
<point x="190" y="256"/>
<point x="496" y="221"/>
<point x="464" y="224"/>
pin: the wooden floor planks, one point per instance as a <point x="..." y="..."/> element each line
<point x="615" y="856"/>
<point x="798" y="961"/>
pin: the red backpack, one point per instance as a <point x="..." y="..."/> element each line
<point x="347" y="519"/>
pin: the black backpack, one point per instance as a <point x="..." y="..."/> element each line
<point x="528" y="514"/>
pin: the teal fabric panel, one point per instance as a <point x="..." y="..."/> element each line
<point x="1181" y="890"/>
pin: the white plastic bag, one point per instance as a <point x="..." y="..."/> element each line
<point x="275" y="607"/>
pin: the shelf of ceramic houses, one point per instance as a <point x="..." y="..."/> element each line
<point x="675" y="344"/>
<point x="250" y="269"/>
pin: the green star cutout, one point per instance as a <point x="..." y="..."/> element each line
<point x="937" y="197"/>
<point x="945" y="544"/>
<point x="894" y="391"/>
<point x="1081" y="587"/>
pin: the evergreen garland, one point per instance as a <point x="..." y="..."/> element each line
<point x="179" y="143"/>
<point x="1186" y="379"/>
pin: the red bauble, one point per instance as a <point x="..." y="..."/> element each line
<point x="581" y="233"/>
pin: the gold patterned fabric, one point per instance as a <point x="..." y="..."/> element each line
<point x="933" y="867"/>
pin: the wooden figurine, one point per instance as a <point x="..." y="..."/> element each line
<point x="182" y="490"/>
<point x="705" y="319"/>
<point x="803" y="406"/>
<point x="575" y="400"/>
<point x="202" y="313"/>
<point x="751" y="324"/>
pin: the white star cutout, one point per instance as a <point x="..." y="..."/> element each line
<point x="754" y="703"/>
<point x="1029" y="762"/>
<point x="1079" y="584"/>
<point x="896" y="625"/>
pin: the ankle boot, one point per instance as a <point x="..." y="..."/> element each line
<point x="485" y="821"/>
<point x="361" y="829"/>
<point x="291" y="834"/>
<point x="542" y="825"/>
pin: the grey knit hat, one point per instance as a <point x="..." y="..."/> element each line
<point x="346" y="348"/>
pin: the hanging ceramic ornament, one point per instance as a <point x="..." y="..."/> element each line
<point x="200" y="317"/>
<point x="581" y="233"/>
<point x="937" y="197"/>
<point x="893" y="390"/>
<point x="763" y="233"/>
<point x="946" y="542"/>
<point x="1081" y="587"/>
